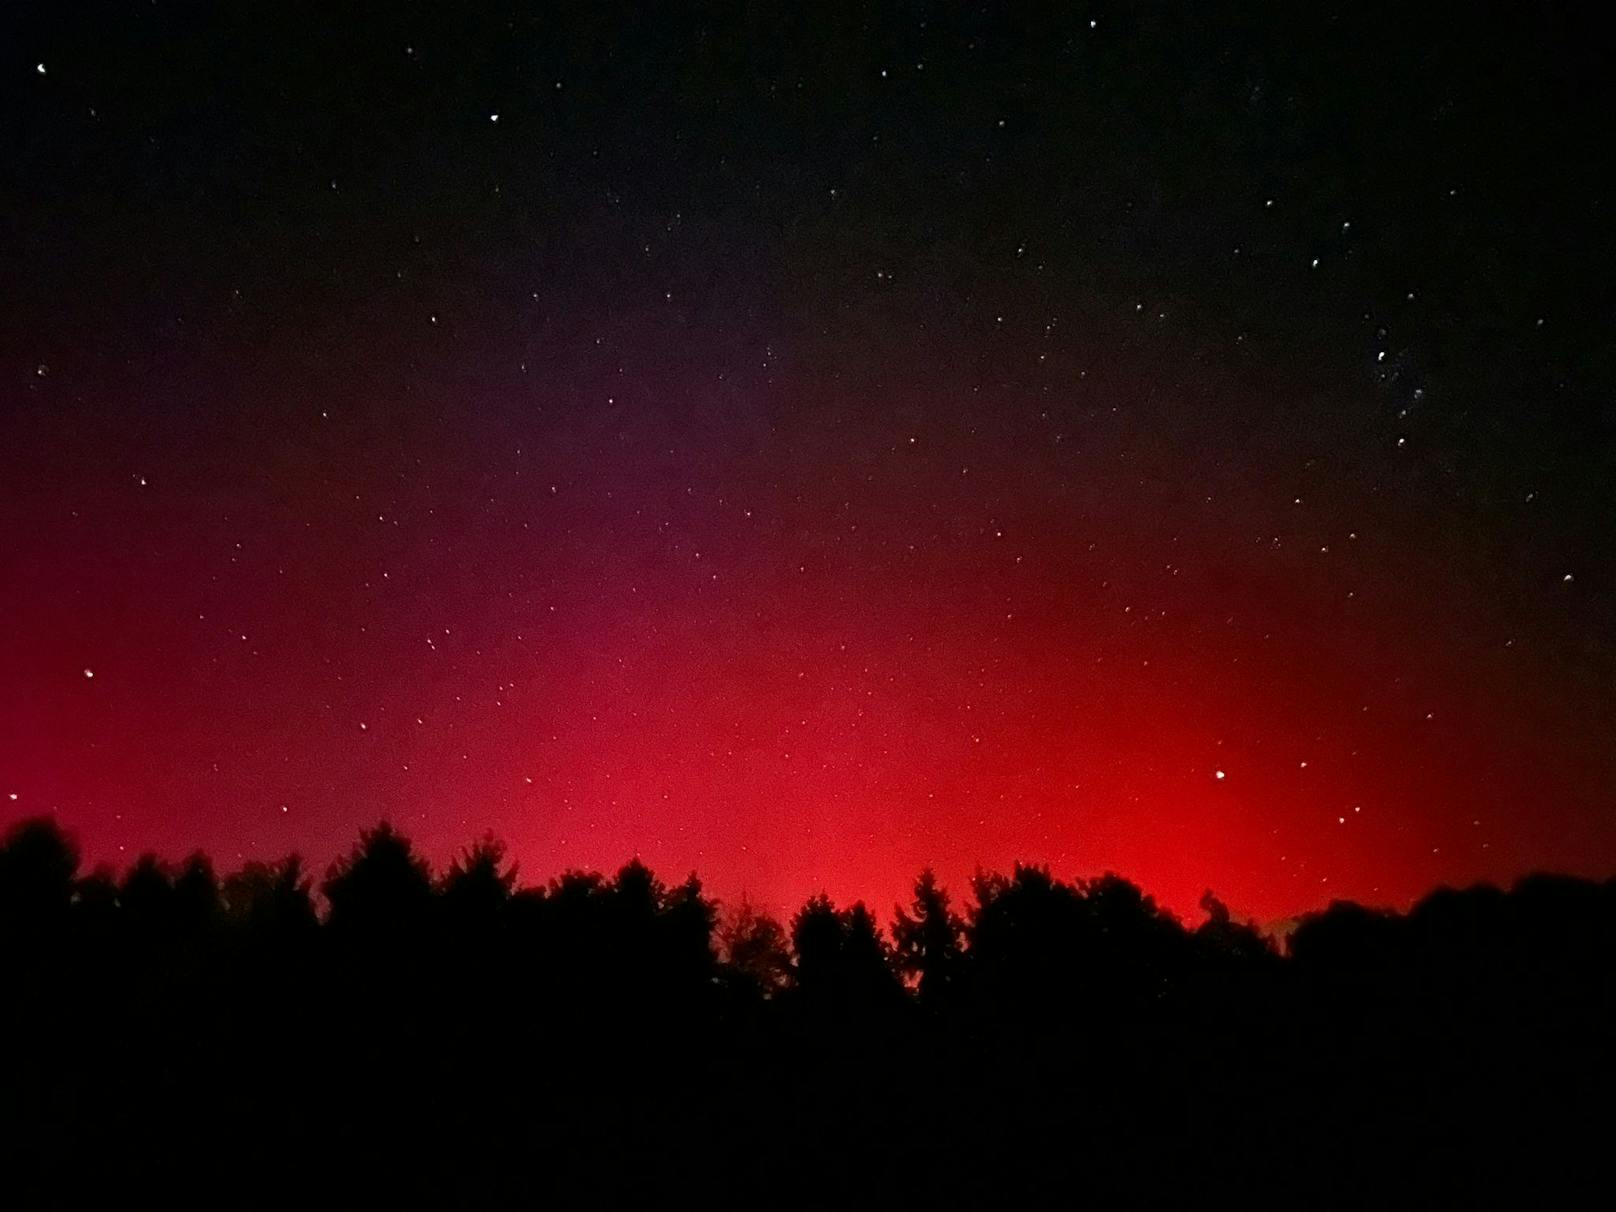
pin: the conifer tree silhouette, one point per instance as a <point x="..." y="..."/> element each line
<point x="927" y="939"/>
<point x="380" y="887"/>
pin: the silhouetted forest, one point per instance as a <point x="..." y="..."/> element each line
<point x="267" y="1039"/>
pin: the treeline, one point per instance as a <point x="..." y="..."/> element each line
<point x="462" y="1039"/>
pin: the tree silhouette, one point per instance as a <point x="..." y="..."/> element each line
<point x="1349" y="939"/>
<point x="147" y="896"/>
<point x="816" y="938"/>
<point x="636" y="894"/>
<point x="196" y="901"/>
<point x="477" y="886"/>
<point x="632" y="902"/>
<point x="38" y="861"/>
<point x="927" y="939"/>
<point x="270" y="899"/>
<point x="842" y="960"/>
<point x="754" y="950"/>
<point x="1025" y="932"/>
<point x="95" y="901"/>
<point x="866" y="955"/>
<point x="1134" y="950"/>
<point x="1065" y="1022"/>
<point x="1224" y="942"/>
<point x="685" y="927"/>
<point x="381" y="887"/>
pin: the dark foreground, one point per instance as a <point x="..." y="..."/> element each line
<point x="171" y="1038"/>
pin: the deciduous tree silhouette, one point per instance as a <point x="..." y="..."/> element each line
<point x="38" y="861"/>
<point x="1134" y="951"/>
<point x="196" y="901"/>
<point x="1025" y="933"/>
<point x="1224" y="942"/>
<point x="271" y="899"/>
<point x="95" y="902"/>
<point x="1347" y="939"/>
<point x="147" y="896"/>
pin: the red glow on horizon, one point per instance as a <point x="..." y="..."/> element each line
<point x="823" y="672"/>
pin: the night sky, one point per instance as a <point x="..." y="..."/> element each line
<point x="1169" y="438"/>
